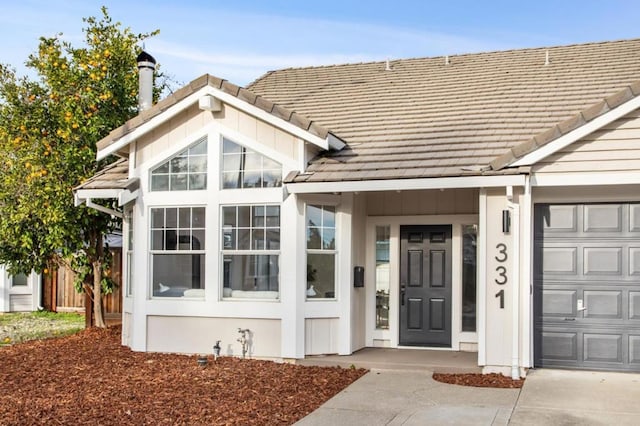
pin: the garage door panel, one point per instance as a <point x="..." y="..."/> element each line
<point x="560" y="260"/>
<point x="634" y="305"/>
<point x="602" y="218"/>
<point x="603" y="304"/>
<point x="634" y="218"/>
<point x="588" y="253"/>
<point x="560" y="346"/>
<point x="560" y="303"/>
<point x="634" y="349"/>
<point x="634" y="261"/>
<point x="602" y="347"/>
<point x="602" y="261"/>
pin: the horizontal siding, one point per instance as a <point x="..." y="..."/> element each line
<point x="615" y="148"/>
<point x="20" y="302"/>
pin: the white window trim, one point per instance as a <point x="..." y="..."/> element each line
<point x="151" y="252"/>
<point x="222" y="252"/>
<point x="332" y="202"/>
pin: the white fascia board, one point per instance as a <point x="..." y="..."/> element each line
<point x="268" y="117"/>
<point x="330" y="141"/>
<point x="406" y="184"/>
<point x="586" y="179"/>
<point x="85" y="194"/>
<point x="577" y="134"/>
<point x="150" y="125"/>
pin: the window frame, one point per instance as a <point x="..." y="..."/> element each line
<point x="323" y="251"/>
<point x="169" y="174"/>
<point x="241" y="170"/>
<point x="202" y="252"/>
<point x="251" y="251"/>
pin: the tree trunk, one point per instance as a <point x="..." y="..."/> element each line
<point x="97" y="294"/>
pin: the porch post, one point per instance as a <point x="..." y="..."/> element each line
<point x="292" y="277"/>
<point x="345" y="273"/>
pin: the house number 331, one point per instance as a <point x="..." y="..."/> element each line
<point x="501" y="271"/>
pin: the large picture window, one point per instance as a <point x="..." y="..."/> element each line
<point x="321" y="252"/>
<point x="244" y="168"/>
<point x="250" y="251"/>
<point x="177" y="251"/>
<point x="187" y="171"/>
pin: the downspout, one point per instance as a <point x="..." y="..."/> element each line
<point x="515" y="277"/>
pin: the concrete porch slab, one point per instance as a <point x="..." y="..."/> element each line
<point x="401" y="359"/>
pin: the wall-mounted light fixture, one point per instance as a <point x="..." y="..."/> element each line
<point x="506" y="221"/>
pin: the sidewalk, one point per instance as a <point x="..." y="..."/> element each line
<point x="549" y="397"/>
<point x="553" y="397"/>
<point x="385" y="397"/>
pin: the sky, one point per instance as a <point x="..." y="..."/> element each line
<point x="241" y="40"/>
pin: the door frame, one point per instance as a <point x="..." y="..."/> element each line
<point x="390" y="337"/>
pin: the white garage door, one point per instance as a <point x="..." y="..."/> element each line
<point x="587" y="286"/>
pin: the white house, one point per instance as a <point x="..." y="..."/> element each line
<point x="485" y="202"/>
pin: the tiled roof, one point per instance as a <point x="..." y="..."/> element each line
<point x="474" y="115"/>
<point x="113" y="176"/>
<point x="208" y="80"/>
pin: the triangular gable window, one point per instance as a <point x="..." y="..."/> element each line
<point x="186" y="171"/>
<point x="244" y="168"/>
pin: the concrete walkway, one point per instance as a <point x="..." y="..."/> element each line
<point x="385" y="397"/>
<point x="563" y="397"/>
<point x="549" y="397"/>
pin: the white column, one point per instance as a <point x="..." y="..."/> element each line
<point x="345" y="273"/>
<point x="4" y="290"/>
<point x="139" y="286"/>
<point x="481" y="277"/>
<point x="292" y="277"/>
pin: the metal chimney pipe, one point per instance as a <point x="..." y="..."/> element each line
<point x="146" y="67"/>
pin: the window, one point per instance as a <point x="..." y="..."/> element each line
<point x="251" y="251"/>
<point x="177" y="251"/>
<point x="383" y="276"/>
<point x="244" y="168"/>
<point x="469" y="234"/>
<point x="20" y="280"/>
<point x="321" y="252"/>
<point x="187" y="171"/>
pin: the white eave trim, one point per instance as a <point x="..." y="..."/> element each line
<point x="577" y="134"/>
<point x="585" y="179"/>
<point x="329" y="142"/>
<point x="406" y="184"/>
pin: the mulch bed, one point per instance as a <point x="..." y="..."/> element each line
<point x="89" y="378"/>
<point x="479" y="380"/>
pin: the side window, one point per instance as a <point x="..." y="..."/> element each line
<point x="186" y="171"/>
<point x="251" y="251"/>
<point x="178" y="251"/>
<point x="244" y="168"/>
<point x="321" y="252"/>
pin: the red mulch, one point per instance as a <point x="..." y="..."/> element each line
<point x="89" y="378"/>
<point x="479" y="380"/>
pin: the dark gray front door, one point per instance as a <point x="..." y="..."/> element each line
<point x="425" y="285"/>
<point x="587" y="286"/>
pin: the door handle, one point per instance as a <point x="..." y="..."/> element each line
<point x="402" y="287"/>
<point x="581" y="306"/>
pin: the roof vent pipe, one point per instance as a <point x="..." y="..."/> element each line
<point x="446" y="60"/>
<point x="546" y="58"/>
<point x="146" y="67"/>
<point x="387" y="66"/>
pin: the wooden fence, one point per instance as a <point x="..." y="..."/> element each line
<point x="60" y="295"/>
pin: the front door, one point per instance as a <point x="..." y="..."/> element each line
<point x="425" y="285"/>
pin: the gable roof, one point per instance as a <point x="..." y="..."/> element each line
<point x="462" y="115"/>
<point x="107" y="145"/>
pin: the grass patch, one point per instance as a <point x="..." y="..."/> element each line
<point x="21" y="327"/>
